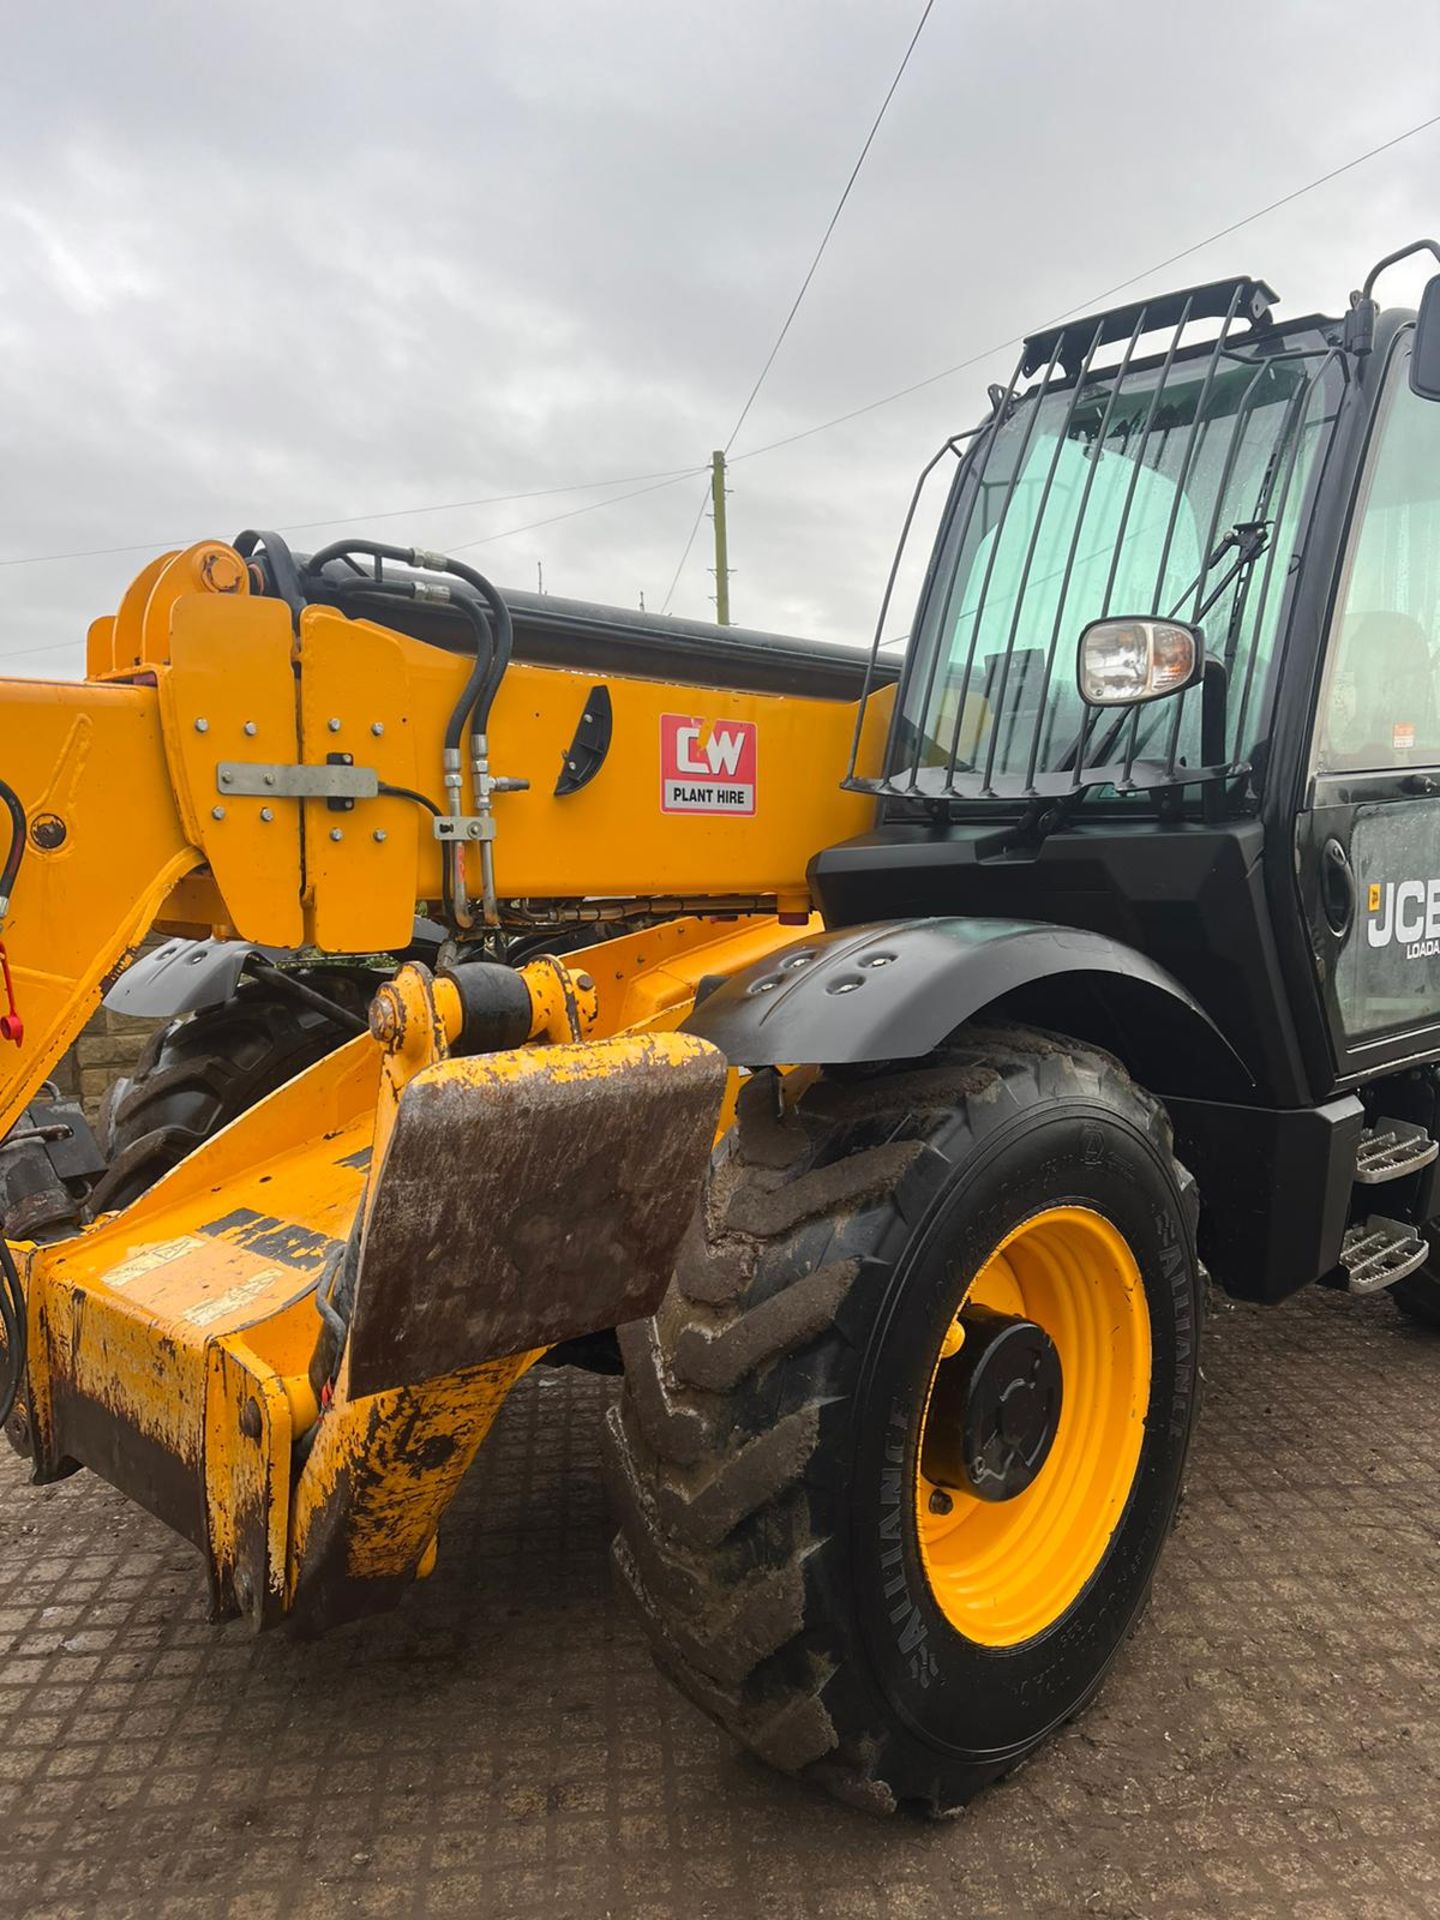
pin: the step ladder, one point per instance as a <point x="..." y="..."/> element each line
<point x="1378" y="1252"/>
<point x="1391" y="1149"/>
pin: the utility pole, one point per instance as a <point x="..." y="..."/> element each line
<point x="722" y="551"/>
<point x="540" y="576"/>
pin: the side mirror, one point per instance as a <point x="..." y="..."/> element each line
<point x="1122" y="662"/>
<point x="1425" y="348"/>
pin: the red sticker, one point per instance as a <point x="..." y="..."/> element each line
<point x="706" y="766"/>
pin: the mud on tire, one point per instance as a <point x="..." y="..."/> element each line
<point x="761" y="1452"/>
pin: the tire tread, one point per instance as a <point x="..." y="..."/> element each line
<point x="716" y="1444"/>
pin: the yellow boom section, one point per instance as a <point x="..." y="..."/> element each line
<point x="292" y="1346"/>
<point x="105" y="848"/>
<point x="132" y="784"/>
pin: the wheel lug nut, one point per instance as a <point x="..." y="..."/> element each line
<point x="940" y="1501"/>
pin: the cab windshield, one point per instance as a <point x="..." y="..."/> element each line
<point x="1178" y="491"/>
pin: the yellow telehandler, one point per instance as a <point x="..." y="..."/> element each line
<point x="863" y="1064"/>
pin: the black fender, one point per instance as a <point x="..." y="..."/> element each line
<point x="894" y="990"/>
<point x="188" y="976"/>
<point x="185" y="976"/>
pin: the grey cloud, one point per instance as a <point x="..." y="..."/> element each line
<point x="336" y="259"/>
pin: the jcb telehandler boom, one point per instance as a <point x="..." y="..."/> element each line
<point x="275" y="769"/>
<point x="928" y="1037"/>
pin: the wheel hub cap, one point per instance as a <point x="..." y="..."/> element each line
<point x="995" y="1407"/>
<point x="1019" y="1485"/>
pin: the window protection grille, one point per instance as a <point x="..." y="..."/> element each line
<point x="1176" y="485"/>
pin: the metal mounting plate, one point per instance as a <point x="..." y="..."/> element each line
<point x="469" y="826"/>
<point x="277" y="781"/>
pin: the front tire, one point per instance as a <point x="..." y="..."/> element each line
<point x="767" y="1454"/>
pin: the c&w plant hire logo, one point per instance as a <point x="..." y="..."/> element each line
<point x="706" y="766"/>
<point x="1406" y="912"/>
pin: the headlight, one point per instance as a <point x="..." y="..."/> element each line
<point x="1122" y="661"/>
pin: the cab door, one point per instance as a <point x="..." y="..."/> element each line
<point x="1368" y="842"/>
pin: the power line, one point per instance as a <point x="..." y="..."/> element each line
<point x="1093" y="300"/>
<point x="685" y="555"/>
<point x="1284" y="201"/>
<point x="500" y="500"/>
<point x="672" y="476"/>
<point x="830" y="226"/>
<point x="390" y="513"/>
<point x="804" y="286"/>
<point x="60" y="646"/>
<point x="592" y="506"/>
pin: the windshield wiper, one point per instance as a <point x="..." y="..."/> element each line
<point x="1248" y="539"/>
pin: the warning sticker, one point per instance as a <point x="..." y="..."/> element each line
<point x="706" y="766"/>
<point x="158" y="1254"/>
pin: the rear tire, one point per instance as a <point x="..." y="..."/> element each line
<point x="200" y="1072"/>
<point x="764" y="1455"/>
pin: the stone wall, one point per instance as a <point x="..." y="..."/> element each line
<point x="109" y="1046"/>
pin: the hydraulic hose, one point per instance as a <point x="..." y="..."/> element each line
<point x="482" y="677"/>
<point x="12" y="1319"/>
<point x="492" y="618"/>
<point x="10" y="800"/>
<point x="292" y="989"/>
<point x="481" y="602"/>
<point x="12" y="1295"/>
<point x="409" y="793"/>
<point x="278" y="566"/>
<point x="504" y="630"/>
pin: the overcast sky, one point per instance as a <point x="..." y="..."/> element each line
<point x="270" y="264"/>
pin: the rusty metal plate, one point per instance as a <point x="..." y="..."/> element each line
<point x="529" y="1197"/>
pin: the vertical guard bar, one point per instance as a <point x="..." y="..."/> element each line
<point x="1314" y="384"/>
<point x="1182" y="476"/>
<point x="981" y="456"/>
<point x="1062" y="440"/>
<point x="1102" y="434"/>
<point x="952" y="445"/>
<point x="1227" y="473"/>
<point x="1187" y="457"/>
<point x="1135" y="466"/>
<point x="1208" y="552"/>
<point x="1037" y="398"/>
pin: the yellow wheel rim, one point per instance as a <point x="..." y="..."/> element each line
<point x="1004" y="1571"/>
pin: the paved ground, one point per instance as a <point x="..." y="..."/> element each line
<point x="1269" y="1746"/>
